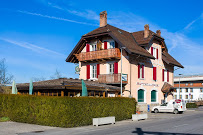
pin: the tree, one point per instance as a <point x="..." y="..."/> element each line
<point x="56" y="75"/>
<point x="5" y="77"/>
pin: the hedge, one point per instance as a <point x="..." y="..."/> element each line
<point x="191" y="105"/>
<point x="64" y="111"/>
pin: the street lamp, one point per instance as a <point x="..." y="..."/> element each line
<point x="121" y="68"/>
<point x="179" y="84"/>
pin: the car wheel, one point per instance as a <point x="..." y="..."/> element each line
<point x="156" y="110"/>
<point x="175" y="111"/>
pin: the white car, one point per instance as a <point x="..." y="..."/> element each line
<point x="175" y="106"/>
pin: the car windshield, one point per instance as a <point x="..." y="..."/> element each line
<point x="164" y="104"/>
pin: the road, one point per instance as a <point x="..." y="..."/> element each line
<point x="189" y="123"/>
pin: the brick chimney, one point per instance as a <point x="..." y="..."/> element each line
<point x="103" y="18"/>
<point x="158" y="32"/>
<point x="146" y="31"/>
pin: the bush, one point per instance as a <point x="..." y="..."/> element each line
<point x="64" y="111"/>
<point x="4" y="119"/>
<point x="191" y="105"/>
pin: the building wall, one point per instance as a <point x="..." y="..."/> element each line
<point x="130" y="67"/>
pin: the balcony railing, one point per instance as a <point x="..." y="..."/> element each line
<point x="99" y="55"/>
<point x="111" y="79"/>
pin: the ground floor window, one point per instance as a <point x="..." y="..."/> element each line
<point x="153" y="96"/>
<point x="140" y="95"/>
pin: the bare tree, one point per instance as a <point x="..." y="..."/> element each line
<point x="56" y="75"/>
<point x="5" y="77"/>
<point x="37" y="79"/>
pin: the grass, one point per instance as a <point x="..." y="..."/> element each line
<point x="4" y="119"/>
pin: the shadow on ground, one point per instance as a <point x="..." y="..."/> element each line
<point x="139" y="131"/>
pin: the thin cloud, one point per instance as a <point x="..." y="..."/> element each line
<point x="32" y="47"/>
<point x="87" y="14"/>
<point x="191" y="23"/>
<point x="53" y="17"/>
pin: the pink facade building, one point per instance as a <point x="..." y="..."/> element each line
<point x="147" y="67"/>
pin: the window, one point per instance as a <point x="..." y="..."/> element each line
<point x="180" y="96"/>
<point x="93" y="47"/>
<point x="191" y="96"/>
<point x="111" y="44"/>
<point x="191" y="84"/>
<point x="141" y="71"/>
<point x="186" y="84"/>
<point x="191" y="89"/>
<point x="164" y="104"/>
<point x="111" y="68"/>
<point x="175" y="90"/>
<point x="186" y="96"/>
<point x="154" y="52"/>
<point x="186" y="89"/>
<point x="153" y="96"/>
<point x="175" y="96"/>
<point x="141" y="95"/>
<point x="93" y="71"/>
<point x="180" y="89"/>
<point x="201" y="90"/>
<point x="165" y="75"/>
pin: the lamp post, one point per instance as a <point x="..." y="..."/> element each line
<point x="179" y="84"/>
<point x="121" y="68"/>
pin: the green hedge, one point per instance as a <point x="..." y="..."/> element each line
<point x="64" y="111"/>
<point x="191" y="105"/>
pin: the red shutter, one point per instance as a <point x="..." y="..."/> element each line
<point x="163" y="75"/>
<point x="98" y="70"/>
<point x="105" y="45"/>
<point x="87" y="47"/>
<point x="167" y="76"/>
<point x="157" y="53"/>
<point x="88" y="71"/>
<point x="154" y="73"/>
<point x="116" y="68"/>
<point x="142" y="71"/>
<point x="139" y="71"/>
<point x="152" y="50"/>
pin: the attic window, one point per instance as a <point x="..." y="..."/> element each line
<point x="119" y="31"/>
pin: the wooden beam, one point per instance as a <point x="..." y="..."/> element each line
<point x="62" y="93"/>
<point x="39" y="94"/>
<point x="104" y="94"/>
<point x="68" y="94"/>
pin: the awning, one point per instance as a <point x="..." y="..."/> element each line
<point x="167" y="88"/>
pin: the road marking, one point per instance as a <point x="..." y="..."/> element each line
<point x="181" y="125"/>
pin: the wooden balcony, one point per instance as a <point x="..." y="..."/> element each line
<point x="111" y="79"/>
<point x="99" y="55"/>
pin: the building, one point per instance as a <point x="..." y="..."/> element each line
<point x="68" y="87"/>
<point x="191" y="87"/>
<point x="147" y="67"/>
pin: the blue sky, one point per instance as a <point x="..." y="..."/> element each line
<point x="36" y="36"/>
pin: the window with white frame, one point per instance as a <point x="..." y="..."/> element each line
<point x="165" y="75"/>
<point x="111" y="68"/>
<point x="201" y="90"/>
<point x="191" y="89"/>
<point x="111" y="44"/>
<point x="93" y="71"/>
<point x="93" y="47"/>
<point x="141" y="71"/>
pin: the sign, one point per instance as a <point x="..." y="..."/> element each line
<point x="124" y="77"/>
<point x="148" y="84"/>
<point x="77" y="70"/>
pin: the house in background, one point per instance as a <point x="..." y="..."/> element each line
<point x="146" y="63"/>
<point x="191" y="87"/>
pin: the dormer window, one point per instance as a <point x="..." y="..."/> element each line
<point x="155" y="52"/>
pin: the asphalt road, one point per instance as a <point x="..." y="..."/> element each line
<point x="189" y="123"/>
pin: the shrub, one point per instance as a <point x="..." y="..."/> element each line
<point x="191" y="105"/>
<point x="64" y="111"/>
<point x="4" y="119"/>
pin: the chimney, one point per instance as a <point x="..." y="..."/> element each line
<point x="158" y="32"/>
<point x="103" y="18"/>
<point x="146" y="31"/>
